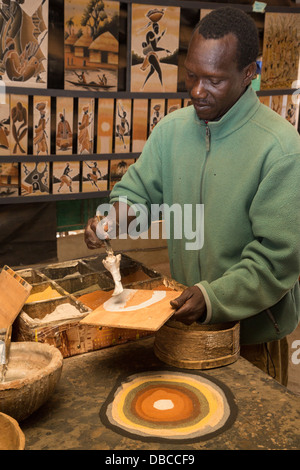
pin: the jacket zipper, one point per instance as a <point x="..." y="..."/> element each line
<point x="207" y="147"/>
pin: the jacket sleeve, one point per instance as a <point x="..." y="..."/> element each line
<point x="269" y="265"/>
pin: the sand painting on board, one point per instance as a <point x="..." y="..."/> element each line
<point x="19" y="124"/>
<point x="91" y="45"/>
<point x="281" y="51"/>
<point x="85" y="140"/>
<point x="66" y="177"/>
<point x="169" y="406"/>
<point x="41" y="125"/>
<point x="157" y="112"/>
<point x="122" y="125"/>
<point x="105" y="125"/>
<point x="94" y="175"/>
<point x="9" y="179"/>
<point x="24" y="43"/>
<point x="118" y="168"/>
<point x="173" y="105"/>
<point x="4" y="124"/>
<point x="34" y="178"/>
<point x="139" y="124"/>
<point x="64" y="126"/>
<point x="286" y="106"/>
<point x="155" y="44"/>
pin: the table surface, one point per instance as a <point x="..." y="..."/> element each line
<point x="268" y="414"/>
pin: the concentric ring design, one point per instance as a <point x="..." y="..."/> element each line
<point x="169" y="405"/>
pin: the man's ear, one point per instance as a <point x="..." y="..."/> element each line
<point x="249" y="73"/>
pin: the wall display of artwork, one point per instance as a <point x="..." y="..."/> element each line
<point x="64" y="125"/>
<point x="34" y="178"/>
<point x="109" y="58"/>
<point x="24" y="43"/>
<point x="139" y="124"/>
<point x="94" y="175"/>
<point x="66" y="177"/>
<point x="9" y="179"/>
<point x="105" y="125"/>
<point x="281" y="51"/>
<point x="19" y="124"/>
<point x="41" y="125"/>
<point x="85" y="142"/>
<point x="91" y="45"/>
<point x="155" y="43"/>
<point x="123" y="126"/>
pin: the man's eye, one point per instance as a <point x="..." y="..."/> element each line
<point x="215" y="82"/>
<point x="190" y="75"/>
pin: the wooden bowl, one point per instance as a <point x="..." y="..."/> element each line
<point x="33" y="372"/>
<point x="197" y="346"/>
<point x="11" y="436"/>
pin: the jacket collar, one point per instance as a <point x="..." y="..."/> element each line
<point x="240" y="113"/>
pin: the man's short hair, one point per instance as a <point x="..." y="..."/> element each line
<point x="222" y="21"/>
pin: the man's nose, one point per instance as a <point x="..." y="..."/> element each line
<point x="198" y="90"/>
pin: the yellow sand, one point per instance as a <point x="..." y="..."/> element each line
<point x="46" y="294"/>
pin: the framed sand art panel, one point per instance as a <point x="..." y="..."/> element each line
<point x="154" y="48"/>
<point x="91" y="45"/>
<point x="281" y="51"/>
<point x="24" y="43"/>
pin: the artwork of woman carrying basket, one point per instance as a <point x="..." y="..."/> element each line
<point x="150" y="46"/>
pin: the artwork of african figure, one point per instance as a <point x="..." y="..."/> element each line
<point x="34" y="178"/>
<point x="281" y="51"/>
<point x="123" y="130"/>
<point x="19" y="124"/>
<point x="94" y="175"/>
<point x="5" y="124"/>
<point x="66" y="177"/>
<point x="169" y="406"/>
<point x="24" y="42"/>
<point x="91" y="45"/>
<point x="85" y="125"/>
<point x="157" y="112"/>
<point x="155" y="41"/>
<point x="64" y="126"/>
<point x="41" y="124"/>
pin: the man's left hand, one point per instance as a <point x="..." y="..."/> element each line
<point x="190" y="306"/>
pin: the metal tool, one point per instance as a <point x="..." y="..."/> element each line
<point x="5" y="342"/>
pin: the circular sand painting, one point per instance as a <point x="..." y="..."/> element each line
<point x="169" y="405"/>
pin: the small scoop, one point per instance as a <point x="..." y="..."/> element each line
<point x="112" y="264"/>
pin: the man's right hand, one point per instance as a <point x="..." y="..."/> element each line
<point x="90" y="237"/>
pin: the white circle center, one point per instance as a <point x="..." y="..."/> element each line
<point x="163" y="404"/>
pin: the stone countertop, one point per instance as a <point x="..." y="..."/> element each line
<point x="268" y="415"/>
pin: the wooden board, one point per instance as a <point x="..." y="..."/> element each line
<point x="14" y="292"/>
<point x="137" y="308"/>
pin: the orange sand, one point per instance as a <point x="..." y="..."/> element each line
<point x="48" y="293"/>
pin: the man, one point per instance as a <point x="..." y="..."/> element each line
<point x="242" y="161"/>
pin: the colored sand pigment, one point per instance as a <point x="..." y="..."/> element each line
<point x="46" y="294"/>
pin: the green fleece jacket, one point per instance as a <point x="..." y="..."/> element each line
<point x="245" y="169"/>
